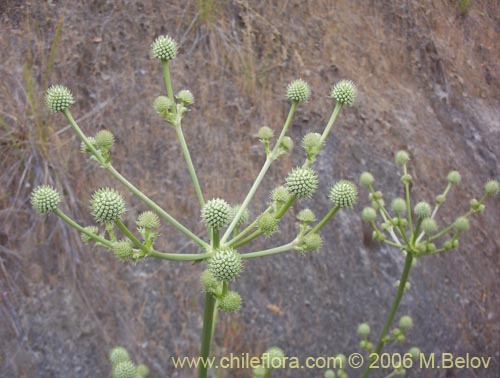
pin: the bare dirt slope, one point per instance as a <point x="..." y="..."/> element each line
<point x="428" y="75"/>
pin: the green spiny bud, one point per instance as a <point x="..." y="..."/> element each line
<point x="475" y="205"/>
<point x="312" y="144"/>
<point x="461" y="224"/>
<point x="454" y="177"/>
<point x="107" y="205"/>
<point x="344" y="194"/>
<point x="83" y="146"/>
<point x="148" y="219"/>
<point x="398" y="205"/>
<point x="208" y="281"/>
<point x="422" y="210"/>
<point x="415" y="353"/>
<point x="401" y="157"/>
<point x="104" y="139"/>
<point x="429" y="226"/>
<point x="440" y="198"/>
<point x="329" y="374"/>
<point x="267" y="223"/>
<point x="492" y="187"/>
<point x="364" y="330"/>
<point x="280" y="194"/>
<point x="265" y="133"/>
<point x="225" y="265"/>
<point x="185" y="96"/>
<point x="298" y="90"/>
<point x="406" y="179"/>
<point x="125" y="369"/>
<point x="58" y="98"/>
<point x="164" y="48"/>
<point x="244" y="216"/>
<point x="310" y="242"/>
<point x="87" y="239"/>
<point x="366" y="179"/>
<point x="162" y="104"/>
<point x="230" y="302"/>
<point x="273" y="358"/>
<point x="118" y="354"/>
<point x="287" y="144"/>
<point x="306" y="216"/>
<point x="142" y="371"/>
<point x="405" y="323"/>
<point x="302" y="182"/>
<point x="123" y="250"/>
<point x="369" y="214"/>
<point x="216" y="213"/>
<point x="45" y="199"/>
<point x="344" y="92"/>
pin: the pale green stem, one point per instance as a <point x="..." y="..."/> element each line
<point x="261" y="175"/>
<point x="131" y="236"/>
<point x="168" y="84"/>
<point x="331" y="122"/>
<point x="385" y="215"/>
<point x="436" y="209"/>
<point x="271" y="251"/>
<point x="206" y="333"/>
<point x="76" y="226"/>
<point x="325" y="219"/>
<point x="417" y="229"/>
<point x="178" y="256"/>
<point x="408" y="202"/>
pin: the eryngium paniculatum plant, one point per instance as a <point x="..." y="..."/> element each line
<point x="227" y="224"/>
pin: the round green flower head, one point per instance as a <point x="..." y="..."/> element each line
<point x="454" y="177"/>
<point x="118" y="354"/>
<point x="287" y="144"/>
<point x="185" y="96"/>
<point x="230" y="302"/>
<point x="280" y="194"/>
<point x="125" y="369"/>
<point x="164" y="48"/>
<point x="302" y="182"/>
<point x="244" y="216"/>
<point x="58" y="98"/>
<point x="265" y="133"/>
<point x="148" y="219"/>
<point x="306" y="216"/>
<point x="405" y="322"/>
<point x="344" y="92"/>
<point x="273" y="358"/>
<point x="123" y="250"/>
<point x="310" y="242"/>
<point x="492" y="187"/>
<point x="225" y="265"/>
<point x="415" y="353"/>
<point x="142" y="371"/>
<point x="329" y="374"/>
<point x="363" y="330"/>
<point x="259" y="372"/>
<point x="398" y="205"/>
<point x="422" y="210"/>
<point x="461" y="224"/>
<point x="429" y="226"/>
<point x="267" y="223"/>
<point x="104" y="139"/>
<point x="45" y="199"/>
<point x="83" y="146"/>
<point x="366" y="179"/>
<point x="369" y="214"/>
<point x="87" y="239"/>
<point x="344" y="194"/>
<point x="312" y="142"/>
<point x="162" y="104"/>
<point x="298" y="90"/>
<point x="216" y="213"/>
<point x="107" y="205"/>
<point x="401" y="157"/>
<point x="208" y="281"/>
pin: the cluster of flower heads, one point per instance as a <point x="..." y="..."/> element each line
<point x="123" y="367"/>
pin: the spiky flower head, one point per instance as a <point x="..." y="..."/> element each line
<point x="302" y="182"/>
<point x="208" y="281"/>
<point x="364" y="330"/>
<point x="85" y="148"/>
<point x="310" y="242"/>
<point x="461" y="224"/>
<point x="366" y="179"/>
<point x="86" y="238"/>
<point x="398" y="205"/>
<point x="244" y="216"/>
<point x="312" y="143"/>
<point x="104" y="139"/>
<point x="298" y="90"/>
<point x="125" y="369"/>
<point x="344" y="92"/>
<point x="280" y="194"/>
<point x="492" y="187"/>
<point x="58" y="98"/>
<point x="344" y="194"/>
<point x="148" y="219"/>
<point x="401" y="157"/>
<point x="267" y="223"/>
<point x="422" y="210"/>
<point x="162" y="105"/>
<point x="123" y="250"/>
<point x="287" y="144"/>
<point x="230" y="302"/>
<point x="369" y="214"/>
<point x="216" y="213"/>
<point x="405" y="322"/>
<point x="273" y="358"/>
<point x="429" y="226"/>
<point x="142" y="371"/>
<point x="45" y="199"/>
<point x="225" y="265"/>
<point x="185" y="96"/>
<point x="107" y="205"/>
<point x="265" y="133"/>
<point x="415" y="353"/>
<point x="118" y="354"/>
<point x="164" y="48"/>
<point x="306" y="216"/>
<point x="454" y="177"/>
